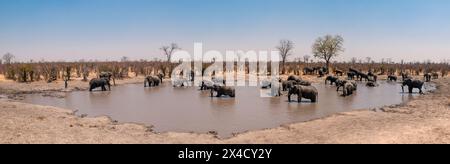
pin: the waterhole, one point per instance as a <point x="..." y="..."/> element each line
<point x="190" y="110"/>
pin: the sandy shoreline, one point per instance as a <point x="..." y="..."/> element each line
<point x="425" y="119"/>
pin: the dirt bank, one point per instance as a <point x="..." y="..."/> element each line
<point x="425" y="119"/>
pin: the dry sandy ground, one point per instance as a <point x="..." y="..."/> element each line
<point x="425" y="119"/>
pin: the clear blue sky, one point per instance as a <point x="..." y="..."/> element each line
<point x="101" y="29"/>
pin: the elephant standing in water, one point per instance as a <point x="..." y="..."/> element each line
<point x="340" y="83"/>
<point x="392" y="78"/>
<point x="152" y="81"/>
<point x="412" y="84"/>
<point x="332" y="79"/>
<point x="349" y="88"/>
<point x="307" y="92"/>
<point x="99" y="82"/>
<point x="223" y="90"/>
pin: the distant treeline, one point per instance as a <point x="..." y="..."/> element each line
<point x="50" y="71"/>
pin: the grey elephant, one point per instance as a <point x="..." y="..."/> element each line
<point x="287" y="85"/>
<point x="308" y="71"/>
<point x="152" y="81"/>
<point x="332" y="79"/>
<point x="392" y="78"/>
<point x="362" y="76"/>
<point x="304" y="83"/>
<point x="427" y="77"/>
<point x="372" y="76"/>
<point x="338" y="72"/>
<point x="107" y="75"/>
<point x="340" y="83"/>
<point x="412" y="84"/>
<point x="349" y="88"/>
<point x="160" y="76"/>
<point x="294" y="78"/>
<point x="351" y="75"/>
<point x="435" y="75"/>
<point x="372" y="84"/>
<point x="99" y="82"/>
<point x="223" y="91"/>
<point x="307" y="92"/>
<point x="405" y="76"/>
<point x="206" y="85"/>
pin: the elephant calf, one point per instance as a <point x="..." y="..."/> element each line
<point x="99" y="82"/>
<point x="223" y="91"/>
<point x="307" y="92"/>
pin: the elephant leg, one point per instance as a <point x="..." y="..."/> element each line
<point x="289" y="97"/>
<point x="410" y="89"/>
<point x="299" y="98"/>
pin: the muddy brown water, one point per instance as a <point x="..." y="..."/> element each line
<point x="191" y="110"/>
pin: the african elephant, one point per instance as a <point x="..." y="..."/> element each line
<point x="340" y="83"/>
<point x="223" y="90"/>
<point x="152" y="81"/>
<point x="412" y="84"/>
<point x="338" y="72"/>
<point x="294" y="78"/>
<point x="303" y="82"/>
<point x="308" y="71"/>
<point x="373" y="76"/>
<point x="351" y="75"/>
<point x="392" y="78"/>
<point x="363" y="76"/>
<point x="324" y="70"/>
<point x="372" y="84"/>
<point x="349" y="88"/>
<point x="180" y="82"/>
<point x="405" y="76"/>
<point x="287" y="85"/>
<point x="99" y="82"/>
<point x="107" y="75"/>
<point x="427" y="77"/>
<point x="332" y="79"/>
<point x="307" y="92"/>
<point x="206" y="85"/>
<point x="160" y="76"/>
<point x="435" y="75"/>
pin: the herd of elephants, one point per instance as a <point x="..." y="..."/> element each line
<point x="293" y="85"/>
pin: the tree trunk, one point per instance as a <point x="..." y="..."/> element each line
<point x="328" y="66"/>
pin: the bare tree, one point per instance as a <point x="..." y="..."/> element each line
<point x="285" y="49"/>
<point x="124" y="59"/>
<point x="8" y="58"/>
<point x="328" y="47"/>
<point x="353" y="60"/>
<point x="368" y="59"/>
<point x="168" y="50"/>
<point x="306" y="58"/>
